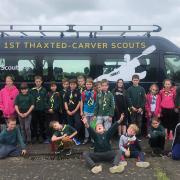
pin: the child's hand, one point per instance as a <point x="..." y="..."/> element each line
<point x="127" y="153"/>
<point x="50" y="111"/>
<point x="139" y="110"/>
<point x="134" y="109"/>
<point x="176" y="110"/>
<point x="25" y="115"/>
<point x="23" y="152"/>
<point x="69" y="113"/>
<point x="21" y="115"/>
<point x="84" y="120"/>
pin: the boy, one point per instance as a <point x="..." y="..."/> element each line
<point x="105" y="105"/>
<point x="65" y="85"/>
<point x="9" y="138"/>
<point x="63" y="135"/>
<point x="72" y="106"/>
<point x="88" y="101"/>
<point x="53" y="108"/>
<point x="81" y="83"/>
<point x="136" y="95"/>
<point x="38" y="119"/>
<point x="102" y="150"/>
<point x="156" y="136"/>
<point x="129" y="147"/>
<point x="24" y="104"/>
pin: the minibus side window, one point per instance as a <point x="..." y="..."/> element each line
<point x="172" y="67"/>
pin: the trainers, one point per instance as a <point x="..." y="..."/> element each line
<point x="68" y="152"/>
<point x="123" y="163"/>
<point x="142" y="164"/>
<point x="96" y="169"/>
<point x="85" y="141"/>
<point x="76" y="141"/>
<point x="116" y="169"/>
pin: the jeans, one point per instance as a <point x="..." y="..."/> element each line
<point x="9" y="150"/>
<point x="110" y="156"/>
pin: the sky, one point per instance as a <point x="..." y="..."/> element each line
<point x="165" y="13"/>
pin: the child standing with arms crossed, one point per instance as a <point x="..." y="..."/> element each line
<point x="104" y="109"/>
<point x="88" y="101"/>
<point x="24" y="105"/>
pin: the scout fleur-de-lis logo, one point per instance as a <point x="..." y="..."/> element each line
<point x="71" y="98"/>
<point x="38" y="99"/>
<point x="52" y="101"/>
<point x="90" y="101"/>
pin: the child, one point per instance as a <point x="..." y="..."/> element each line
<point x="156" y="136"/>
<point x="63" y="135"/>
<point x="81" y="83"/>
<point x="176" y="143"/>
<point x="72" y="106"/>
<point x="7" y="97"/>
<point x="121" y="105"/>
<point x="98" y="87"/>
<point x="136" y="95"/>
<point x="24" y="105"/>
<point x="168" y="95"/>
<point x="153" y="104"/>
<point x="65" y="85"/>
<point x="129" y="147"/>
<point x="104" y="109"/>
<point x="53" y="108"/>
<point x="88" y="101"/>
<point x="38" y="117"/>
<point x="102" y="150"/>
<point x="9" y="138"/>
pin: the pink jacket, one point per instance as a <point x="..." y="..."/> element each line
<point x="7" y="98"/>
<point x="148" y="105"/>
<point x="168" y="98"/>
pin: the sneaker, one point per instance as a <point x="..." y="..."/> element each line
<point x="116" y="169"/>
<point x="68" y="152"/>
<point x="76" y="141"/>
<point x="142" y="164"/>
<point x="46" y="141"/>
<point x="96" y="169"/>
<point x="123" y="163"/>
<point x="85" y="141"/>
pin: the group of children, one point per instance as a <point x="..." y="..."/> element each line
<point x="82" y="112"/>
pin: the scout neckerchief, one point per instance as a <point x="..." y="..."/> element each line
<point x="104" y="99"/>
<point x="52" y="100"/>
<point x="38" y="97"/>
<point x="130" y="141"/>
<point x="71" y="98"/>
<point x="90" y="97"/>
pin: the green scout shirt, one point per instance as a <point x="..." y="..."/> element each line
<point x="24" y="102"/>
<point x="67" y="129"/>
<point x="136" y="96"/>
<point x="40" y="97"/>
<point x="102" y="141"/>
<point x="105" y="104"/>
<point x="12" y="138"/>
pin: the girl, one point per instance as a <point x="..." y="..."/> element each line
<point x="153" y="104"/>
<point x="168" y="95"/>
<point x="121" y="105"/>
<point x="7" y="97"/>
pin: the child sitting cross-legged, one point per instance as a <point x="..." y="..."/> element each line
<point x="130" y="147"/>
<point x="63" y="136"/>
<point x="102" y="147"/>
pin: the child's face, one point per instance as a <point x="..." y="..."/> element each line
<point x="154" y="90"/>
<point x="53" y="88"/>
<point x="57" y="126"/>
<point x="104" y="87"/>
<point x="73" y="86"/>
<point x="167" y="84"/>
<point x="9" y="81"/>
<point x="81" y="82"/>
<point x="99" y="87"/>
<point x="11" y="125"/>
<point x="100" y="128"/>
<point x="120" y="84"/>
<point x="24" y="91"/>
<point x="155" y="124"/>
<point x="135" y="82"/>
<point x="38" y="83"/>
<point x="131" y="131"/>
<point x="65" y="85"/>
<point x="89" y="86"/>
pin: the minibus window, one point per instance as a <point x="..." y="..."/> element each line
<point x="172" y="67"/>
